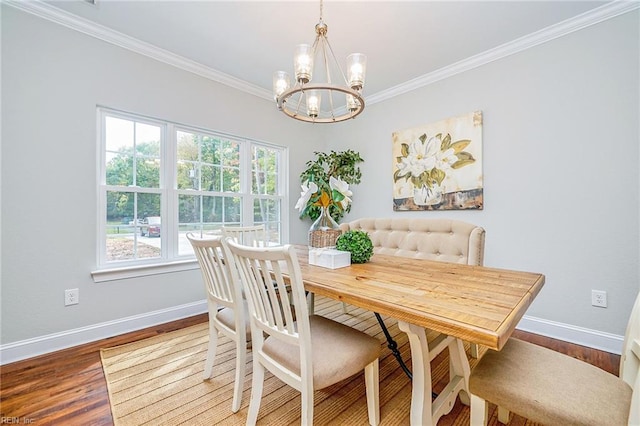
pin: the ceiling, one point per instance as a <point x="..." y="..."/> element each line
<point x="403" y="40"/>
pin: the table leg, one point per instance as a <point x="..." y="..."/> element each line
<point x="423" y="411"/>
<point x="421" y="368"/>
<point x="459" y="367"/>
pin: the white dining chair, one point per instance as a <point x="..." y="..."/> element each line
<point x="228" y="312"/>
<point x="254" y="235"/>
<point x="306" y="352"/>
<point x="551" y="388"/>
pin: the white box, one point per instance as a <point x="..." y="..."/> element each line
<point x="329" y="258"/>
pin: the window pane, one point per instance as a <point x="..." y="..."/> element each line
<point x="119" y="135"/>
<point x="230" y="156"/>
<point x="187" y="146"/>
<point x="230" y="180"/>
<point x="148" y="140"/>
<point x="210" y="150"/>
<point x="271" y="167"/>
<point x="119" y="169"/>
<point x="120" y="205"/>
<point x="264" y="171"/>
<point x="148" y="172"/>
<point x="274" y="210"/>
<point x="230" y="153"/>
<point x="211" y="178"/>
<point x="198" y="214"/>
<point x="189" y="209"/>
<point x="232" y="209"/>
<point x="129" y="247"/>
<point x="148" y="205"/>
<point x="126" y="225"/>
<point x="258" y="182"/>
<point x="273" y="233"/>
<point x="266" y="210"/>
<point x="187" y="175"/>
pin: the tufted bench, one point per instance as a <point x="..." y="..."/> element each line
<point x="442" y="240"/>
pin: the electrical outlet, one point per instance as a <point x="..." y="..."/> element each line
<point x="599" y="298"/>
<point x="71" y="296"/>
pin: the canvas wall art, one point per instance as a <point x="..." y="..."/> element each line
<point x="438" y="166"/>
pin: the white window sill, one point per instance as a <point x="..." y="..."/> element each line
<point x="143" y="270"/>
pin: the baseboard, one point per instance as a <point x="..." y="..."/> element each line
<point x="53" y="342"/>
<point x="570" y="333"/>
<point x="24" y="349"/>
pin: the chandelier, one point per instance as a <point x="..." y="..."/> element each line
<point x="321" y="102"/>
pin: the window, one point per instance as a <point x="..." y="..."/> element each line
<point x="159" y="180"/>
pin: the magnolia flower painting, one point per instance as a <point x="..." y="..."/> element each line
<point x="439" y="166"/>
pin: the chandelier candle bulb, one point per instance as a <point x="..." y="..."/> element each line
<point x="281" y="83"/>
<point x="357" y="66"/>
<point x="313" y="103"/>
<point x="303" y="63"/>
<point x="352" y="103"/>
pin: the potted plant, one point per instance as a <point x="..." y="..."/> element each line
<point x="357" y="243"/>
<point x="317" y="179"/>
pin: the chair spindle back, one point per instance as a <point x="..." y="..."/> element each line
<point x="216" y="274"/>
<point x="252" y="236"/>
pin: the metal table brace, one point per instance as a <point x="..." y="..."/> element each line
<point x="393" y="347"/>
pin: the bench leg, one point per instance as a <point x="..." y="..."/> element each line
<point x="479" y="411"/>
<point x="503" y="415"/>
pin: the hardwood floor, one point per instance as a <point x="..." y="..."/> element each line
<point x="68" y="387"/>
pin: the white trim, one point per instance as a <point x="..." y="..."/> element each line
<point x="114" y="274"/>
<point x="594" y="16"/>
<point x="570" y="333"/>
<point x="69" y="20"/>
<point x="24" y="349"/>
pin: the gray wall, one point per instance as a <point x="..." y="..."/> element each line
<point x="560" y="148"/>
<point x="52" y="80"/>
<point x="560" y="167"/>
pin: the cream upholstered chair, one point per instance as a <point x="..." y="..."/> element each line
<point x="228" y="313"/>
<point x="552" y="388"/>
<point x="255" y="235"/>
<point x="443" y="240"/>
<point x="306" y="352"/>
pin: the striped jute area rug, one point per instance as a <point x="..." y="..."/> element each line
<point x="158" y="381"/>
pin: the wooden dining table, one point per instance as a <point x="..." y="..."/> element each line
<point x="476" y="304"/>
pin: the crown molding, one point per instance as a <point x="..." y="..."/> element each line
<point x="61" y="17"/>
<point x="592" y="17"/>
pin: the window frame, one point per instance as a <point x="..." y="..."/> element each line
<point x="170" y="260"/>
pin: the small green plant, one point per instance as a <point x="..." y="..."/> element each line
<point x="357" y="243"/>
